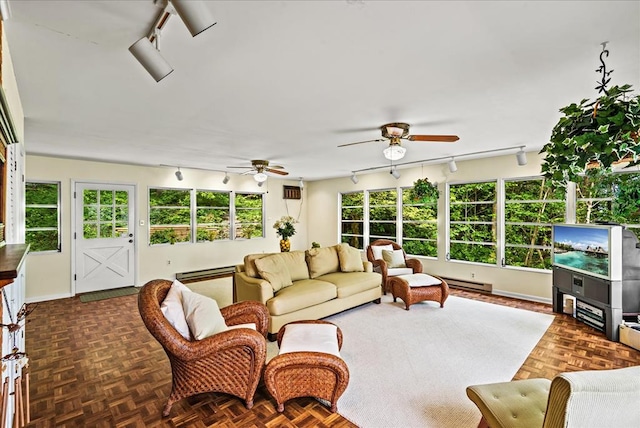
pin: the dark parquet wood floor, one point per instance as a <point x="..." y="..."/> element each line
<point x="95" y="365"/>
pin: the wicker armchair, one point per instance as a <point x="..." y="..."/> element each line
<point x="379" y="265"/>
<point x="230" y="362"/>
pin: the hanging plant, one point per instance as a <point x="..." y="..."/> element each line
<point x="594" y="135"/>
<point x="424" y="191"/>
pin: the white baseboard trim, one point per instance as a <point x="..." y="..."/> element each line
<point x="45" y="298"/>
<point x="523" y="296"/>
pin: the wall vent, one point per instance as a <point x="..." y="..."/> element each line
<point x="471" y="285"/>
<point x="205" y="275"/>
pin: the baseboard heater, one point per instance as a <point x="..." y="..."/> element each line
<point x="471" y="285"/>
<point x="205" y="274"/>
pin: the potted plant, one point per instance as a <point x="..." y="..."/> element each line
<point x="594" y="135"/>
<point x="285" y="229"/>
<point x="424" y="191"/>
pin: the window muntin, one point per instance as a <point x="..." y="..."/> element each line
<point x="42" y="216"/>
<point x="383" y="214"/>
<point x="249" y="215"/>
<point x="352" y="219"/>
<point x="531" y="207"/>
<point x="472" y="222"/>
<point x="419" y="226"/>
<point x="213" y="211"/>
<point x="105" y="213"/>
<point x="169" y="216"/>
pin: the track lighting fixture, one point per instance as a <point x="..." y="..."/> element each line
<point x="226" y="178"/>
<point x="149" y="56"/>
<point x="194" y="14"/>
<point x="5" y="11"/>
<point x="521" y="157"/>
<point x="394" y="172"/>
<point x="260" y="183"/>
<point x="354" y="178"/>
<point x="452" y="165"/>
<point x="301" y="184"/>
<point x="179" y="175"/>
<point x="260" y="177"/>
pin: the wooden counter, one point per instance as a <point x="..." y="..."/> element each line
<point x="12" y="256"/>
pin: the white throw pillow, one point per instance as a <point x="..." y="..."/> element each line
<point x="310" y="338"/>
<point x="377" y="250"/>
<point x="172" y="310"/>
<point x="394" y="259"/>
<point x="421" y="280"/>
<point x="203" y="315"/>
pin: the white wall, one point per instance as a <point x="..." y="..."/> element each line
<point x="49" y="274"/>
<point x="529" y="284"/>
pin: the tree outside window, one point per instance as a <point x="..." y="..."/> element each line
<point x="383" y="214"/>
<point x="169" y="216"/>
<point x="249" y="216"/>
<point x="419" y="226"/>
<point x="42" y="216"/>
<point x="212" y="215"/>
<point x="352" y="219"/>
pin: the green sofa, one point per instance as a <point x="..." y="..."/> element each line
<point x="312" y="284"/>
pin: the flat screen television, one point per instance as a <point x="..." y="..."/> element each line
<point x="594" y="250"/>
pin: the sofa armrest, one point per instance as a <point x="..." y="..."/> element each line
<point x="414" y="264"/>
<point x="368" y="266"/>
<point x="248" y="288"/>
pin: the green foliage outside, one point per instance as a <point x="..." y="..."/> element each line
<point x="382" y="214"/>
<point x="41" y="216"/>
<point x="249" y="222"/>
<point x="352" y="223"/>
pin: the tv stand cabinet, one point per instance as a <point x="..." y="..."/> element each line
<point x="598" y="301"/>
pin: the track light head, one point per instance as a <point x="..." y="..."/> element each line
<point x="5" y="10"/>
<point x="521" y="157"/>
<point x="394" y="172"/>
<point x="260" y="183"/>
<point x="179" y="175"/>
<point x="151" y="59"/>
<point x="301" y="184"/>
<point x="226" y="178"/>
<point x="452" y="165"/>
<point x="354" y="178"/>
<point x="194" y="14"/>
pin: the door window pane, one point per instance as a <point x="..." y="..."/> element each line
<point x="100" y="212"/>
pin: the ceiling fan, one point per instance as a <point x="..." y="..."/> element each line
<point x="260" y="167"/>
<point x="394" y="132"/>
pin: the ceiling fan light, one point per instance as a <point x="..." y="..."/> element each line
<point x="260" y="177"/>
<point x="394" y="131"/>
<point x="394" y="152"/>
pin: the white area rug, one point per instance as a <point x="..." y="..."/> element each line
<point x="411" y="368"/>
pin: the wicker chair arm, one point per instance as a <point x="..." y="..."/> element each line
<point x="247" y="312"/>
<point x="414" y="264"/>
<point x="220" y="343"/>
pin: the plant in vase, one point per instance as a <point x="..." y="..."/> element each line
<point x="424" y="191"/>
<point x="285" y="229"/>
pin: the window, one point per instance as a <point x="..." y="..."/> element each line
<point x="212" y="215"/>
<point x="531" y="207"/>
<point x="42" y="216"/>
<point x="383" y="214"/>
<point x="472" y="222"/>
<point x="105" y="213"/>
<point x="169" y="216"/>
<point x="419" y="226"/>
<point x="352" y="219"/>
<point x="249" y="216"/>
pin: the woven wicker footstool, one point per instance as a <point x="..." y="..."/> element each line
<point x="308" y="365"/>
<point x="419" y="287"/>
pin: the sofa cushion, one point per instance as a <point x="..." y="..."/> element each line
<point x="203" y="315"/>
<point x="296" y="264"/>
<point x="273" y="269"/>
<point x="350" y="283"/>
<point x="302" y="294"/>
<point x="172" y="310"/>
<point x="322" y="261"/>
<point x="377" y="250"/>
<point x="350" y="258"/>
<point x="250" y="264"/>
<point x="394" y="258"/>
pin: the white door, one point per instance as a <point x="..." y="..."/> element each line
<point x="104" y="239"/>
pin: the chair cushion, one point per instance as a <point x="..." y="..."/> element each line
<point x="322" y="261"/>
<point x="399" y="271"/>
<point x="203" y="315"/>
<point x="173" y="311"/>
<point x="377" y="250"/>
<point x="302" y="294"/>
<point x="350" y="258"/>
<point x="515" y="404"/>
<point x="421" y="280"/>
<point x="274" y="270"/>
<point x="394" y="258"/>
<point x="310" y="338"/>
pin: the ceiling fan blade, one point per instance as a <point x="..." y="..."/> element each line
<point x="361" y="142"/>
<point x="437" y="138"/>
<point x="276" y="171"/>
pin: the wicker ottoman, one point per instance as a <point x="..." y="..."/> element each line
<point x="300" y="370"/>
<point x="419" y="287"/>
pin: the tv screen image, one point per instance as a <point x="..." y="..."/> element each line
<point x="585" y="249"/>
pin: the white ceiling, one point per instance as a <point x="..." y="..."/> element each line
<point x="289" y="81"/>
